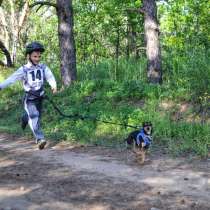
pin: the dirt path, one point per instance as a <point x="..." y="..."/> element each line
<point x="89" y="178"/>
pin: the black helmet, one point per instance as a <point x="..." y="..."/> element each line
<point x="34" y="46"/>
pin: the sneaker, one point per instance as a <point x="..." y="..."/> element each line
<point x="41" y="143"/>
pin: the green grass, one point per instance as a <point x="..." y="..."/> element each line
<point x="128" y="99"/>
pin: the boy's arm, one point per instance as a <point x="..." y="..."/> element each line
<point x="51" y="79"/>
<point x="17" y="75"/>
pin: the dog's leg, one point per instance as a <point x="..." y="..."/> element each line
<point x="140" y="155"/>
<point x="136" y="151"/>
<point x="143" y="154"/>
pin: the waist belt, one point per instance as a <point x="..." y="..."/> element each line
<point x="32" y="95"/>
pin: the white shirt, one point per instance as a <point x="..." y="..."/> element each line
<point x="32" y="76"/>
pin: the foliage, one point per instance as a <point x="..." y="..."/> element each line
<point x="129" y="101"/>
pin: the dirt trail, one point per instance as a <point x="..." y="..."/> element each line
<point x="64" y="177"/>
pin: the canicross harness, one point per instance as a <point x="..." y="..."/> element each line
<point x="147" y="139"/>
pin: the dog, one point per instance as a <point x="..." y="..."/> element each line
<point x="140" y="140"/>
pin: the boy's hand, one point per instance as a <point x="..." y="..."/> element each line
<point x="54" y="90"/>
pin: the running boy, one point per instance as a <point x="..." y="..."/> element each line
<point x="33" y="76"/>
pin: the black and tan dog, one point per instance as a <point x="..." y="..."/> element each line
<point x="140" y="141"/>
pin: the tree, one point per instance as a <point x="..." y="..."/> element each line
<point x="151" y="34"/>
<point x="64" y="11"/>
<point x="12" y="18"/>
<point x="151" y="29"/>
<point x="7" y="54"/>
<point x="66" y="40"/>
<point x="185" y="24"/>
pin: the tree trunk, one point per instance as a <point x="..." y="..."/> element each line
<point x="12" y="22"/>
<point x="154" y="71"/>
<point x="7" y="54"/>
<point x="66" y="41"/>
<point x="94" y="52"/>
<point x="117" y="52"/>
<point x="84" y="48"/>
<point x="5" y="35"/>
<point x="133" y="41"/>
<point x="128" y="41"/>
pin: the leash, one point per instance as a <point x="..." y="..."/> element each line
<point x="76" y="116"/>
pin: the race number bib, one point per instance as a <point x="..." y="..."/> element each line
<point x="35" y="78"/>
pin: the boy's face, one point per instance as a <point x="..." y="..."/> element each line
<point x="35" y="57"/>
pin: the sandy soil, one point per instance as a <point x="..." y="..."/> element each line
<point x="65" y="177"/>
